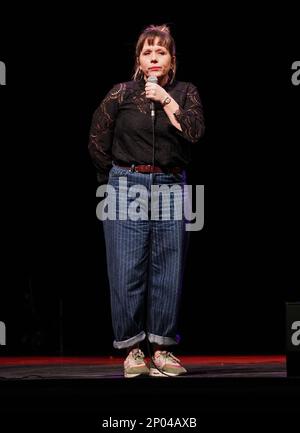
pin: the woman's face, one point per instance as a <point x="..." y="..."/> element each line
<point x="155" y="60"/>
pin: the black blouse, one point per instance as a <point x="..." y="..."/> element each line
<point x="121" y="129"/>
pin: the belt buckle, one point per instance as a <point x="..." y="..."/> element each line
<point x="132" y="168"/>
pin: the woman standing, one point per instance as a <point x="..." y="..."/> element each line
<point x="140" y="140"/>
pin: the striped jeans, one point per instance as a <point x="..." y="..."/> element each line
<point x="145" y="258"/>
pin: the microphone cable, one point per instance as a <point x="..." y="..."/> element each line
<point x="152" y="79"/>
<point x="149" y="349"/>
<point x="153" y="137"/>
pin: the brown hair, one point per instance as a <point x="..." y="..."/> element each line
<point x="165" y="40"/>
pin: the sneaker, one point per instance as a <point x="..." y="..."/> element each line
<point x="165" y="364"/>
<point x="134" y="364"/>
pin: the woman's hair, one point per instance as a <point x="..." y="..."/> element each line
<point x="165" y="40"/>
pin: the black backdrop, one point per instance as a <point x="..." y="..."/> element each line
<point x="242" y="267"/>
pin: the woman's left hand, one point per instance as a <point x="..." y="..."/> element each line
<point x="155" y="92"/>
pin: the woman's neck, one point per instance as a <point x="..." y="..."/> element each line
<point x="162" y="81"/>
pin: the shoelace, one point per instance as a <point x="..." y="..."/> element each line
<point x="170" y="355"/>
<point x="138" y="356"/>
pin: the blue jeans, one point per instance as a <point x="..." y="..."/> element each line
<point x="145" y="261"/>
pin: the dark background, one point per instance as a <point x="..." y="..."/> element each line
<point x="242" y="266"/>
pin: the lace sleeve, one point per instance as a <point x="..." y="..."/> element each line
<point x="102" y="129"/>
<point x="191" y="117"/>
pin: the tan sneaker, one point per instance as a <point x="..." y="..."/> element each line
<point x="134" y="364"/>
<point x="167" y="365"/>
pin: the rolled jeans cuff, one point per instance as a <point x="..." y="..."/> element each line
<point x="163" y="341"/>
<point x="130" y="342"/>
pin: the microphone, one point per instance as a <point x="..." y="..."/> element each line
<point x="152" y="79"/>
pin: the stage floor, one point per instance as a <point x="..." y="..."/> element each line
<point x="231" y="391"/>
<point x="39" y="368"/>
